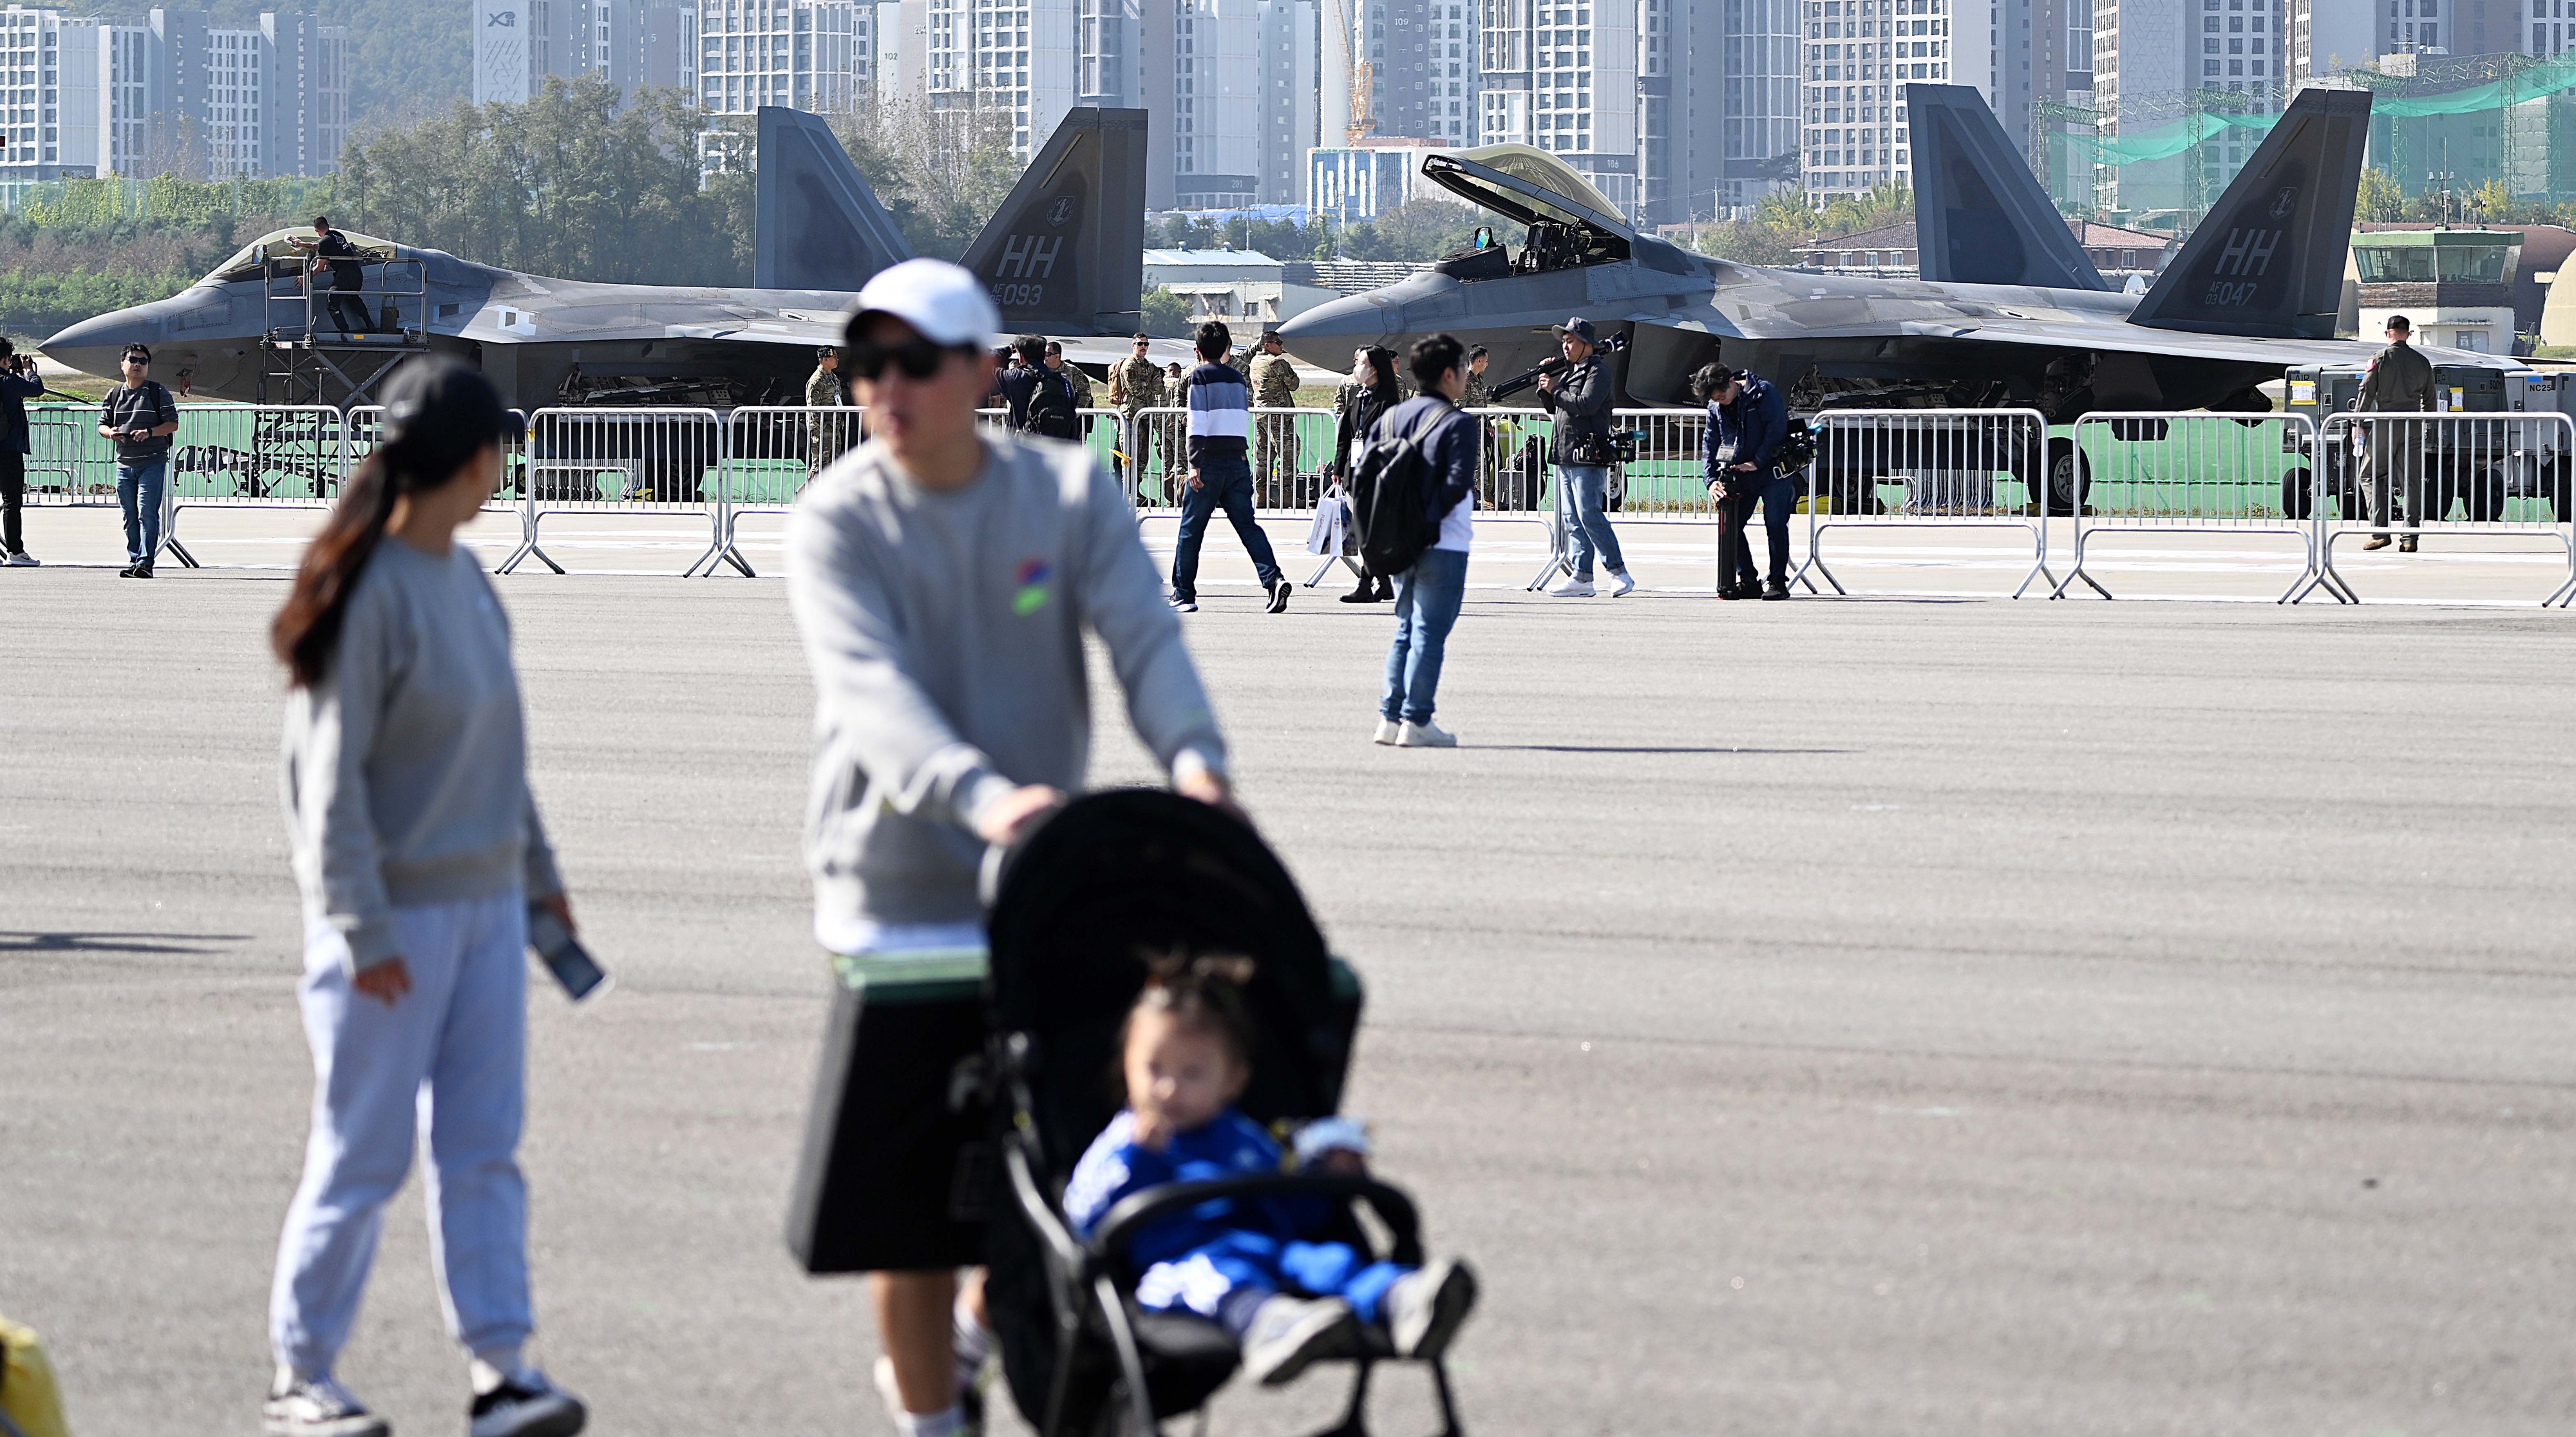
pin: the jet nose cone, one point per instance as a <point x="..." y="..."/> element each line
<point x="93" y="345"/>
<point x="1326" y="334"/>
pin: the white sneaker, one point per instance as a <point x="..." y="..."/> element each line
<point x="1573" y="589"/>
<point x="1185" y="606"/>
<point x="22" y="560"/>
<point x="1621" y="584"/>
<point x="319" y="1407"/>
<point x="1424" y="735"/>
<point x="1387" y="729"/>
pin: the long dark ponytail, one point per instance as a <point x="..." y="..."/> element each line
<point x="438" y="416"/>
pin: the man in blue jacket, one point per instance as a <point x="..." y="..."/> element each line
<point x="18" y="384"/>
<point x="1748" y="421"/>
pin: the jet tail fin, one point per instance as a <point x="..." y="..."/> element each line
<point x="1065" y="254"/>
<point x="816" y="225"/>
<point x="2268" y="258"/>
<point x="1979" y="215"/>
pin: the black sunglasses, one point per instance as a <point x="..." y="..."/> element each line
<point x="918" y="358"/>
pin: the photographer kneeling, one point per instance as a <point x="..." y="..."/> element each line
<point x="1748" y="422"/>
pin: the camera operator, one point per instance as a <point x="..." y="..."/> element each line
<point x="1748" y="422"/>
<point x="1579" y="394"/>
<point x="18" y="384"/>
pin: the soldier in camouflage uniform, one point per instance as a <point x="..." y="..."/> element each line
<point x="1135" y="383"/>
<point x="826" y="435"/>
<point x="1478" y="395"/>
<point x="1274" y="441"/>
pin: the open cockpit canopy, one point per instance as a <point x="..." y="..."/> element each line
<point x="247" y="262"/>
<point x="1570" y="222"/>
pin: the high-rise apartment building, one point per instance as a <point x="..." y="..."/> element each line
<point x="1859" y="54"/>
<point x="2158" y="63"/>
<point x="1561" y="75"/>
<point x="1018" y="55"/>
<point x="174" y="94"/>
<point x="518" y="43"/>
<point x="805" y="54"/>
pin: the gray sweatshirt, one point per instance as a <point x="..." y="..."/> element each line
<point x="944" y="631"/>
<point x="406" y="767"/>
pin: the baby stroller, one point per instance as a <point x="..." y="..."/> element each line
<point x="1110" y="877"/>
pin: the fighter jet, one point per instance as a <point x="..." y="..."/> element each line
<point x="2008" y="313"/>
<point x="1063" y="257"/>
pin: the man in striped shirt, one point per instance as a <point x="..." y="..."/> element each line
<point x="1220" y="473"/>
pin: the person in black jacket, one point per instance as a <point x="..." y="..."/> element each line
<point x="1428" y="595"/>
<point x="1748" y="422"/>
<point x="18" y="384"/>
<point x="1580" y="394"/>
<point x="1362" y="403"/>
<point x="347" y="306"/>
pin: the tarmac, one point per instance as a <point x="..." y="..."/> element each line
<point x="1848" y="1016"/>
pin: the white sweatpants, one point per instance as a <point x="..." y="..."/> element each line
<point x="450" y="1056"/>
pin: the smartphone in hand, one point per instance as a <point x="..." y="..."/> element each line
<point x="563" y="955"/>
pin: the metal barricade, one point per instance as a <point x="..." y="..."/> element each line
<point x="2199" y="472"/>
<point x="624" y="462"/>
<point x="2407" y="475"/>
<point x="1931" y="468"/>
<point x="771" y="452"/>
<point x="235" y="455"/>
<point x="1158" y="449"/>
<point x="362" y="428"/>
<point x="69" y="463"/>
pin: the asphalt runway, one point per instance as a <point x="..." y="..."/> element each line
<point x="1851" y="1017"/>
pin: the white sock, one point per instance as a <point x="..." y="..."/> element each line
<point x="488" y="1370"/>
<point x="974" y="1340"/>
<point x="935" y="1424"/>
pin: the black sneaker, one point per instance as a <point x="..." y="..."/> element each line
<point x="1290" y="1334"/>
<point x="319" y="1407"/>
<point x="143" y="571"/>
<point x="525" y="1405"/>
<point x="1424" y="1309"/>
<point x="127" y="572"/>
<point x="1776" y="589"/>
<point x="1279" y="597"/>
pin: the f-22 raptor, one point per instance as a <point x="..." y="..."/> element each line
<point x="2008" y="311"/>
<point x="1063" y="256"/>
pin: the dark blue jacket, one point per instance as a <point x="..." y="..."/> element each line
<point x="1448" y="446"/>
<point x="1749" y="431"/>
<point x="15" y="391"/>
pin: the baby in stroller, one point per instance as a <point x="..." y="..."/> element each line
<point x="1254" y="1265"/>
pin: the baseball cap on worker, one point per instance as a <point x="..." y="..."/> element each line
<point x="943" y="302"/>
<point x="1580" y="328"/>
<point x="443" y="400"/>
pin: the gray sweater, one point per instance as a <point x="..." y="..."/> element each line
<point x="944" y="631"/>
<point x="406" y="776"/>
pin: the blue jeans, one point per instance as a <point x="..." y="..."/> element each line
<point x="1777" y="495"/>
<point x="1426" y="607"/>
<point x="138" y="493"/>
<point x="1226" y="483"/>
<point x="1582" y="492"/>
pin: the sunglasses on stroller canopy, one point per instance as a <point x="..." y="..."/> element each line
<point x="917" y="357"/>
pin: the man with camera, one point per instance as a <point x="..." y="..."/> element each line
<point x="1748" y="423"/>
<point x="1580" y="394"/>
<point x="140" y="416"/>
<point x="18" y="384"/>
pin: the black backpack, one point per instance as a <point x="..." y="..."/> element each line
<point x="1390" y="496"/>
<point x="1051" y="410"/>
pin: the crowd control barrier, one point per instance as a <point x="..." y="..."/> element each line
<point x="68" y="463"/>
<point x="2408" y="475"/>
<point x="771" y="452"/>
<point x="626" y="461"/>
<point x="1932" y="468"/>
<point x="2216" y="473"/>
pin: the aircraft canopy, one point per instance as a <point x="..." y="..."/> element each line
<point x="1525" y="184"/>
<point x="245" y="264"/>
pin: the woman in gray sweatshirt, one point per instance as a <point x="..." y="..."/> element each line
<point x="418" y="850"/>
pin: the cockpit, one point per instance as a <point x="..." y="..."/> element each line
<point x="259" y="254"/>
<point x="1566" y="221"/>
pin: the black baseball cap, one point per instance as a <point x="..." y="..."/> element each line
<point x="440" y="395"/>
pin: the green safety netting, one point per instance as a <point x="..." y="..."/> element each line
<point x="2165" y="141"/>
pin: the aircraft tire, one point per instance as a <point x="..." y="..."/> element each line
<point x="2559" y="487"/>
<point x="2298" y="493"/>
<point x="2068" y="483"/>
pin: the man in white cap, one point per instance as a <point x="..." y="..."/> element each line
<point x="941" y="581"/>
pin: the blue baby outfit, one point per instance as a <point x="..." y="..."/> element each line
<point x="1221" y="1258"/>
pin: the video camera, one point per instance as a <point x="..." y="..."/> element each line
<point x="1615" y="344"/>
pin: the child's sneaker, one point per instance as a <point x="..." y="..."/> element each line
<point x="1424" y="1309"/>
<point x="319" y="1407"/>
<point x="1290" y="1334"/>
<point x="970" y="1399"/>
